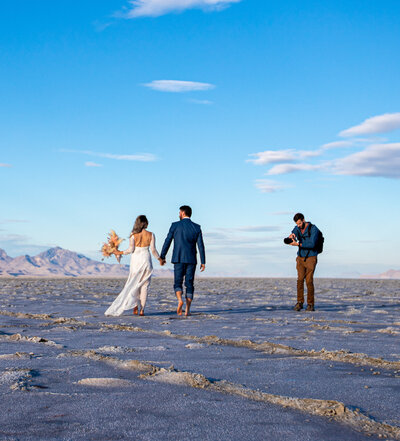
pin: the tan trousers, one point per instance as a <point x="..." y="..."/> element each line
<point x="305" y="270"/>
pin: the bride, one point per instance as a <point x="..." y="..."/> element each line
<point x="134" y="293"/>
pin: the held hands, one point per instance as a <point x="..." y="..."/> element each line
<point x="162" y="261"/>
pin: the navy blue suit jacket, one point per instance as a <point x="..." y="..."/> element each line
<point x="186" y="235"/>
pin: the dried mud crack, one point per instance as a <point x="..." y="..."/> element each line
<point x="341" y="356"/>
<point x="331" y="409"/>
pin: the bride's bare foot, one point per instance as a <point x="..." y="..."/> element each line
<point x="180" y="302"/>
<point x="180" y="306"/>
<point x="142" y="312"/>
<point x="135" y="310"/>
<point x="188" y="303"/>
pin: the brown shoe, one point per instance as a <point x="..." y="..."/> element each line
<point x="298" y="306"/>
<point x="310" y="308"/>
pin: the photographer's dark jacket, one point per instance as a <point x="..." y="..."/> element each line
<point x="308" y="240"/>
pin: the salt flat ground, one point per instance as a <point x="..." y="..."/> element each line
<point x="244" y="366"/>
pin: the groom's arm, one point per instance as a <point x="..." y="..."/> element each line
<point x="167" y="242"/>
<point x="200" y="246"/>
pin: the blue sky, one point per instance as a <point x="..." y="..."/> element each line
<point x="247" y="110"/>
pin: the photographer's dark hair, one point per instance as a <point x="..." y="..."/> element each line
<point x="298" y="216"/>
<point x="141" y="223"/>
<point x="187" y="210"/>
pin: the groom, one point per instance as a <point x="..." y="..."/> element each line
<point x="186" y="234"/>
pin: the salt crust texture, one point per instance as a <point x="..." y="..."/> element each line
<point x="332" y="374"/>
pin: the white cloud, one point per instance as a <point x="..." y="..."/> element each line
<point x="377" y="124"/>
<point x="17" y="244"/>
<point x="92" y="164"/>
<point x="5" y="165"/>
<point x="375" y="157"/>
<point x="178" y="86"/>
<point x="283" y="156"/>
<point x="337" y="145"/>
<point x="204" y="102"/>
<point x="303" y="154"/>
<point x="231" y="238"/>
<point x="381" y="160"/>
<point x="273" y="156"/>
<point x="268" y="186"/>
<point x="282" y="169"/>
<point x="155" y="8"/>
<point x="141" y="157"/>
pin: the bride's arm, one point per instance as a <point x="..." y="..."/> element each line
<point x="131" y="248"/>
<point x="153" y="247"/>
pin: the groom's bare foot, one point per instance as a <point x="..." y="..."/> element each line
<point x="180" y="302"/>
<point x="188" y="303"/>
<point x="135" y="310"/>
<point x="180" y="306"/>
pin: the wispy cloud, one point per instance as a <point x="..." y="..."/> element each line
<point x="178" y="86"/>
<point x="92" y="164"/>
<point x="5" y="165"/>
<point x="273" y="156"/>
<point x="377" y="124"/>
<point x="17" y="244"/>
<point x="101" y="26"/>
<point x="381" y="160"/>
<point x="268" y="186"/>
<point x="337" y="145"/>
<point x="375" y="157"/>
<point x="203" y="102"/>
<point x="286" y="156"/>
<point x="141" y="157"/>
<point x="155" y="8"/>
<point x="281" y="169"/>
<point x="237" y="237"/>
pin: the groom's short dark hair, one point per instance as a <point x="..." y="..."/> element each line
<point x="187" y="210"/>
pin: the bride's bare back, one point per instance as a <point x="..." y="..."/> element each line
<point x="143" y="239"/>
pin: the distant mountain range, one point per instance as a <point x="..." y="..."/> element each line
<point x="57" y="262"/>
<point x="391" y="274"/>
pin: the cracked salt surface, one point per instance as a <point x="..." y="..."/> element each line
<point x="80" y="385"/>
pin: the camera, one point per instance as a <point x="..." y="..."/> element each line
<point x="288" y="240"/>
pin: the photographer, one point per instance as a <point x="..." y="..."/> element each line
<point x="306" y="237"/>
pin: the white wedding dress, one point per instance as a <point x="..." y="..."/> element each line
<point x="134" y="292"/>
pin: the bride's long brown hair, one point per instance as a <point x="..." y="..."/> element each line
<point x="140" y="224"/>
